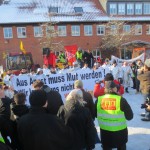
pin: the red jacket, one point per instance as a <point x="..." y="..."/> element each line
<point x="99" y="89"/>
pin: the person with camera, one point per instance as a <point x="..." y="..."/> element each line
<point x="144" y="78"/>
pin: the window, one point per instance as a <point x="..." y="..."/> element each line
<point x="21" y="32"/>
<point x="38" y="32"/>
<point x="100" y="30"/>
<point x="53" y="9"/>
<point x="113" y="9"/>
<point x="78" y="9"/>
<point x="146" y="8"/>
<point x="62" y="31"/>
<point x="138" y="29"/>
<point x="8" y="33"/>
<point x="148" y="29"/>
<point x="126" y="28"/>
<point x="113" y="29"/>
<point x="130" y="9"/>
<point x="50" y="31"/>
<point x="138" y="8"/>
<point x="88" y="30"/>
<point x="75" y="30"/>
<point x="121" y="9"/>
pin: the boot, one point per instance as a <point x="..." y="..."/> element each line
<point x="126" y="89"/>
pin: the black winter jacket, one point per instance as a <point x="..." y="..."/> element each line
<point x="80" y="120"/>
<point x="41" y="131"/>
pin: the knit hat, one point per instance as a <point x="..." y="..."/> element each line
<point x="109" y="77"/>
<point x="39" y="69"/>
<point x="38" y="98"/>
<point x="78" y="84"/>
<point x="147" y="62"/>
<point x="110" y="85"/>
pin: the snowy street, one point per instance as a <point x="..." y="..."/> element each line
<point x="139" y="131"/>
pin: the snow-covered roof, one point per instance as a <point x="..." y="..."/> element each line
<point x="35" y="11"/>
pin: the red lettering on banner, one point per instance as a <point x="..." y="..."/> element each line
<point x="108" y="104"/>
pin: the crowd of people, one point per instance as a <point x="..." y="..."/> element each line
<point x="51" y="122"/>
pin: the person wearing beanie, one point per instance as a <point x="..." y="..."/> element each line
<point x="79" y="119"/>
<point x="112" y="112"/>
<point x="144" y="78"/>
<point x="39" y="130"/>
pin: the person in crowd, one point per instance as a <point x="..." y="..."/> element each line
<point x="62" y="57"/>
<point x="39" y="130"/>
<point x="75" y="67"/>
<point x="134" y="70"/>
<point x="116" y="70"/>
<point x="95" y="66"/>
<point x="45" y="69"/>
<point x="87" y="97"/>
<point x="106" y="66"/>
<point x="139" y="67"/>
<point x="23" y="71"/>
<point x="112" y="113"/>
<point x="53" y="70"/>
<point x="100" y="86"/>
<point x="6" y="125"/>
<point x="8" y="77"/>
<point x="79" y="57"/>
<point x="144" y="78"/>
<point x="79" y="119"/>
<point x="4" y="146"/>
<point x="54" y="99"/>
<point x="18" y="109"/>
<point x="88" y="58"/>
<point x="86" y="67"/>
<point x="127" y="76"/>
<point x="32" y="72"/>
<point x="39" y="71"/>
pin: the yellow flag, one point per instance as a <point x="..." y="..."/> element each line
<point x="22" y="47"/>
<point x="4" y="55"/>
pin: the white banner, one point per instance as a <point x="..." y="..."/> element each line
<point x="120" y="61"/>
<point x="63" y="83"/>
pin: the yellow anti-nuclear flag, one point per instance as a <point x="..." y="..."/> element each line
<point x="22" y="47"/>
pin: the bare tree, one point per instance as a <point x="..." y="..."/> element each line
<point x="116" y="34"/>
<point x="49" y="35"/>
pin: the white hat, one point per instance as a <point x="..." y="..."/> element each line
<point x="95" y="64"/>
<point x="75" y="63"/>
<point x="39" y="69"/>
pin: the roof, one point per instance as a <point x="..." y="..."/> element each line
<point x="35" y="11"/>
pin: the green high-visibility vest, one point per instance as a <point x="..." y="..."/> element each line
<point x="62" y="58"/>
<point x="109" y="115"/>
<point x="79" y="55"/>
<point x="1" y="139"/>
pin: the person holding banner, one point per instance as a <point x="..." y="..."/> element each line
<point x="127" y="76"/>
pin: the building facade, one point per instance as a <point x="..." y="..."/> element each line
<point x="76" y="22"/>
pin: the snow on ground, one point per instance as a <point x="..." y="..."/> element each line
<point x="138" y="131"/>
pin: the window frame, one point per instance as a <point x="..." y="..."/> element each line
<point x="77" y="28"/>
<point x="137" y="13"/>
<point x="132" y="4"/>
<point x="64" y="31"/>
<point x="122" y="9"/>
<point x="148" y="33"/>
<point x="136" y="33"/>
<point x="145" y="13"/>
<point x="38" y="35"/>
<point x="8" y="32"/>
<point x="126" y="31"/>
<point x="114" y="10"/>
<point x="100" y="27"/>
<point x="23" y="36"/>
<point x="91" y="27"/>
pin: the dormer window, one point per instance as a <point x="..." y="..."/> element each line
<point x="53" y="9"/>
<point x="78" y="9"/>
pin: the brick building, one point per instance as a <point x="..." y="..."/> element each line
<point x="77" y="22"/>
